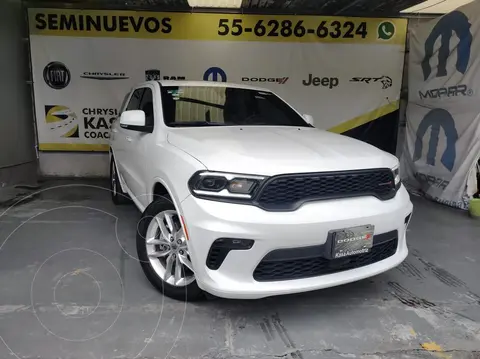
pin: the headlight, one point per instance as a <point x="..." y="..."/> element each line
<point x="226" y="185"/>
<point x="396" y="176"/>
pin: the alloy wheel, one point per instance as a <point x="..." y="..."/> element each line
<point x="167" y="249"/>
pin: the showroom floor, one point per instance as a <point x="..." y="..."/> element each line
<point x="70" y="287"/>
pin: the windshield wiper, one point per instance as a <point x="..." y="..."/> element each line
<point x="194" y="124"/>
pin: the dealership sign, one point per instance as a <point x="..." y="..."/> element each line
<point x="85" y="61"/>
<point x="443" y="116"/>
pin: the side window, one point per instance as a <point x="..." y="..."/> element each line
<point x="146" y="105"/>
<point x="134" y="103"/>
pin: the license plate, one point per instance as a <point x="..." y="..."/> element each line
<point x="352" y="241"/>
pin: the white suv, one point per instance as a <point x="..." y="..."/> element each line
<point x="243" y="198"/>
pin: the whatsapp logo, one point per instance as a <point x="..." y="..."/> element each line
<point x="386" y="30"/>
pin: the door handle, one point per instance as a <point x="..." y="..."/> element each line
<point x="129" y="139"/>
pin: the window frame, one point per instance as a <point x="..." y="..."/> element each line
<point x="131" y="96"/>
<point x="146" y="128"/>
<point x="161" y="88"/>
<point x="152" y="126"/>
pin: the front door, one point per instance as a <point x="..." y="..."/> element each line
<point x="142" y="144"/>
<point x="127" y="139"/>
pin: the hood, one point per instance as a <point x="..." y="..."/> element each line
<point x="277" y="150"/>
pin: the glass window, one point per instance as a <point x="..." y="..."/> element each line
<point x="134" y="103"/>
<point x="146" y="105"/>
<point x="225" y="106"/>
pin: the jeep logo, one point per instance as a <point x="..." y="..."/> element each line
<point x="329" y="82"/>
<point x="278" y="80"/>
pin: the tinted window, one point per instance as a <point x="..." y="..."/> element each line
<point x="225" y="106"/>
<point x="134" y="103"/>
<point x="146" y="105"/>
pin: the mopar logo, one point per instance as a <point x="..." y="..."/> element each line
<point x="432" y="180"/>
<point x="215" y="74"/>
<point x="437" y="119"/>
<point x="278" y="80"/>
<point x="457" y="22"/>
<point x="451" y="91"/>
<point x="329" y="82"/>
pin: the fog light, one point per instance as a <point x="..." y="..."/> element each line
<point x="222" y="246"/>
<point x="234" y="243"/>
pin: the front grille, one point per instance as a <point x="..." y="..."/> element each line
<point x="298" y="263"/>
<point x="288" y="192"/>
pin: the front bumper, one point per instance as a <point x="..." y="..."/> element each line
<point x="207" y="221"/>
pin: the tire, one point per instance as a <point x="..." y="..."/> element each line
<point x="153" y="259"/>
<point x="118" y="196"/>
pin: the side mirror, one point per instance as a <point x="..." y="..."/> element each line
<point x="309" y="119"/>
<point x="134" y="120"/>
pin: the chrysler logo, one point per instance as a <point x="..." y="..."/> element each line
<point x="56" y="75"/>
<point x="104" y="75"/>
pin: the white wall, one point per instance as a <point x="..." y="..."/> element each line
<point x="67" y="164"/>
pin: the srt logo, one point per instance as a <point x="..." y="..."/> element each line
<point x="386" y="81"/>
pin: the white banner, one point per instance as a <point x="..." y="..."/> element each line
<point x="443" y="115"/>
<point x="345" y="72"/>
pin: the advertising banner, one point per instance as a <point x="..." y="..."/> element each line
<point x="345" y="72"/>
<point x="442" y="142"/>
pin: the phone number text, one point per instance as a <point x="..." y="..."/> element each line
<point x="287" y="28"/>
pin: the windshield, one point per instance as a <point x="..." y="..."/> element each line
<point x="225" y="106"/>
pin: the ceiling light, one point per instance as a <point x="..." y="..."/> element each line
<point x="436" y="6"/>
<point x="216" y="3"/>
